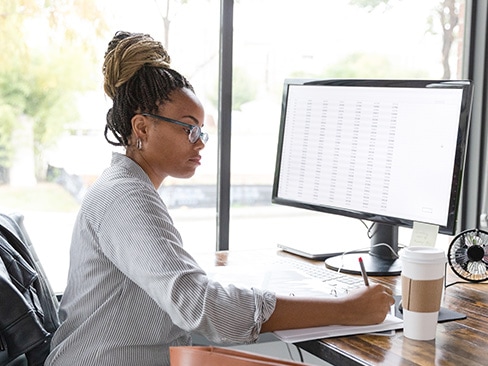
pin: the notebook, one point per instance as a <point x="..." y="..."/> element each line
<point x="287" y="276"/>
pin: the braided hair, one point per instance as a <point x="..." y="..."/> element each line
<point x="138" y="78"/>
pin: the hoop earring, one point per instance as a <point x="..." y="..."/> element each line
<point x="139" y="144"/>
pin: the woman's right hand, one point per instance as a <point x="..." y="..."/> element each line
<point x="367" y="305"/>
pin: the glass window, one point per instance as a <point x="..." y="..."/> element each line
<point x="320" y="39"/>
<point x="49" y="193"/>
<point x="272" y="41"/>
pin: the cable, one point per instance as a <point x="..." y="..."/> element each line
<point x="289" y="351"/>
<point x="360" y="250"/>
<point x="299" y="353"/>
<point x="369" y="236"/>
<point x="464" y="282"/>
<point x="367" y="227"/>
<point x="388" y="246"/>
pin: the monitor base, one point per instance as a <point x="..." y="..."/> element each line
<point x="375" y="266"/>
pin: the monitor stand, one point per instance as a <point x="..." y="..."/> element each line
<point x="382" y="258"/>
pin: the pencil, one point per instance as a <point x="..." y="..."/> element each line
<point x="363" y="272"/>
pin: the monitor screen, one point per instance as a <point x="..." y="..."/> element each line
<point x="388" y="151"/>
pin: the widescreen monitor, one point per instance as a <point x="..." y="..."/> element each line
<point x="390" y="152"/>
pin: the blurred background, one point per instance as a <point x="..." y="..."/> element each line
<point x="52" y="105"/>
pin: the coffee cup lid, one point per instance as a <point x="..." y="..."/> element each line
<point x="423" y="254"/>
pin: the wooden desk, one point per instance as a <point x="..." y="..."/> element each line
<point x="461" y="342"/>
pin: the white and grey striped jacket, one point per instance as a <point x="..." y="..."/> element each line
<point x="133" y="290"/>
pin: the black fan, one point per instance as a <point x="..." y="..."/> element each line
<point x="468" y="255"/>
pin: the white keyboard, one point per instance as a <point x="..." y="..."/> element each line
<point x="288" y="276"/>
<point x="341" y="282"/>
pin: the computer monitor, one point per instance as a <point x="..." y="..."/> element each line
<point x="390" y="152"/>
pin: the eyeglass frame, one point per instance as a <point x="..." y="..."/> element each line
<point x="201" y="135"/>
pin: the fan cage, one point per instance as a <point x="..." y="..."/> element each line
<point x="468" y="255"/>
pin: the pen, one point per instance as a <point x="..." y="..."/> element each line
<point x="363" y="272"/>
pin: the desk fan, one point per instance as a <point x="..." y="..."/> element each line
<point x="468" y="255"/>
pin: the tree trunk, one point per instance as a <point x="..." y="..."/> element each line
<point x="22" y="171"/>
<point x="449" y="20"/>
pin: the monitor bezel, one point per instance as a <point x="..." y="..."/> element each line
<point x="459" y="160"/>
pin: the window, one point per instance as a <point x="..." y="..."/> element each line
<point x="317" y="39"/>
<point x="272" y="41"/>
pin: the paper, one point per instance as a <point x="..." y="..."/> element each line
<point x="424" y="235"/>
<point x="283" y="279"/>
<point x="391" y="322"/>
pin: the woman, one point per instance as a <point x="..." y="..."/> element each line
<point x="133" y="290"/>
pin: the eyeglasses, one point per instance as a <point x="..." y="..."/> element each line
<point x="194" y="132"/>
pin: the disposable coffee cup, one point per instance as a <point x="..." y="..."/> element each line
<point x="423" y="271"/>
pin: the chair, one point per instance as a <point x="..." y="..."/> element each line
<point x="218" y="356"/>
<point x="30" y="317"/>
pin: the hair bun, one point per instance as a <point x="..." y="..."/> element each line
<point x="126" y="54"/>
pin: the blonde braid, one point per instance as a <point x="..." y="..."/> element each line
<point x="127" y="56"/>
<point x="138" y="78"/>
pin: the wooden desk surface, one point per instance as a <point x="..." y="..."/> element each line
<point x="461" y="342"/>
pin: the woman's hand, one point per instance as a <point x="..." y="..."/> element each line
<point x="367" y="305"/>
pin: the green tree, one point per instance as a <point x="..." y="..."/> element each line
<point x="47" y="58"/>
<point x="244" y="89"/>
<point x="447" y="13"/>
<point x="360" y="65"/>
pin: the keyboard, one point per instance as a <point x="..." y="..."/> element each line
<point x="288" y="276"/>
<point x="337" y="282"/>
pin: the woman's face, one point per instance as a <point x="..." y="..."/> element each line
<point x="166" y="150"/>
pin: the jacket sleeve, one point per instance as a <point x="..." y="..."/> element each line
<point x="20" y="314"/>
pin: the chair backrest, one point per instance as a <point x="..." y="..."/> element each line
<point x="218" y="356"/>
<point x="31" y="317"/>
<point x="17" y="225"/>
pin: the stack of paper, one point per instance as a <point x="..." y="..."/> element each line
<point x="305" y="334"/>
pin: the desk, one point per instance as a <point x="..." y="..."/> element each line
<point x="461" y="342"/>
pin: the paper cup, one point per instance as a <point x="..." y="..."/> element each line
<point x="423" y="270"/>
